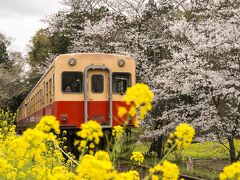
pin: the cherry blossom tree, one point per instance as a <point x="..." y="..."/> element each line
<point x="200" y="84"/>
<point x="186" y="51"/>
<point x="11" y="76"/>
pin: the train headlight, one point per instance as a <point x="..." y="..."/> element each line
<point x="72" y="62"/>
<point x="121" y="63"/>
<point x="64" y="117"/>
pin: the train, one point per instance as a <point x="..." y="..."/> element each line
<point x="79" y="87"/>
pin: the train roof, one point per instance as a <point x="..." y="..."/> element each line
<point x="55" y="59"/>
<point x="74" y="55"/>
<point x="90" y="54"/>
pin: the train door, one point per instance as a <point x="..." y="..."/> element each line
<point x="44" y="99"/>
<point x="98" y="96"/>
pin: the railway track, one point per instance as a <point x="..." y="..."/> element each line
<point x="186" y="177"/>
<point x="142" y="169"/>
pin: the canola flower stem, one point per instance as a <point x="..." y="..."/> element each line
<point x="127" y="121"/>
<point x="165" y="156"/>
<point x="148" y="176"/>
<point x="108" y="142"/>
<point x="169" y="151"/>
<point x="65" y="154"/>
<point x="113" y="154"/>
<point x="54" y="145"/>
<point x="83" y="152"/>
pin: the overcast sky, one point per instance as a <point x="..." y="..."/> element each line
<point x="20" y="19"/>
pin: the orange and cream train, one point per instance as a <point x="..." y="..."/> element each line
<point x="79" y="87"/>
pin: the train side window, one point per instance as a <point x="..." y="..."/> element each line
<point x="50" y="90"/>
<point x="41" y="98"/>
<point x="46" y="96"/>
<point x="97" y="83"/>
<point x="72" y="82"/>
<point x="120" y="82"/>
<point x="53" y="87"/>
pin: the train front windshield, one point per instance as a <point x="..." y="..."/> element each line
<point x="121" y="81"/>
<point x="72" y="82"/>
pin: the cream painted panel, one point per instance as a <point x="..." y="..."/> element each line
<point x="98" y="96"/>
<point x="83" y="61"/>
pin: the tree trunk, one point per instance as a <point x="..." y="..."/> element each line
<point x="157" y="146"/>
<point x="232" y="149"/>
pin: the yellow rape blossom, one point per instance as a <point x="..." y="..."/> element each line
<point x="96" y="167"/>
<point x="7" y="127"/>
<point x="48" y="123"/>
<point x="136" y="122"/>
<point x="34" y="139"/>
<point x="137" y="157"/>
<point x="91" y="146"/>
<point x="5" y="166"/>
<point x="130" y="175"/>
<point x="155" y="177"/>
<point x="91" y="133"/>
<point x="121" y="111"/>
<point x="32" y="155"/>
<point x="139" y="94"/>
<point x="102" y="155"/>
<point x="167" y="171"/>
<point x="139" y="97"/>
<point x="231" y="172"/>
<point x="61" y="173"/>
<point x="117" y="132"/>
<point x="36" y="154"/>
<point x="4" y="123"/>
<point x="132" y="111"/>
<point x="182" y="136"/>
<point x="11" y="175"/>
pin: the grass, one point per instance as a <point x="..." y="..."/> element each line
<point x="209" y="150"/>
<point x="208" y="158"/>
<point x="204" y="150"/>
<point x="198" y="171"/>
